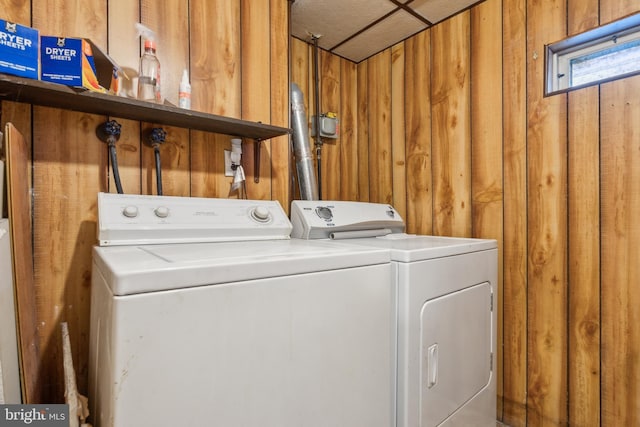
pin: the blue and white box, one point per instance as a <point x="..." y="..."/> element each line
<point x="19" y="50"/>
<point x="76" y="62"/>
<point x="61" y="60"/>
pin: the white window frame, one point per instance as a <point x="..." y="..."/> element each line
<point x="558" y="56"/>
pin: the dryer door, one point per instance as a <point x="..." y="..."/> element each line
<point x="455" y="351"/>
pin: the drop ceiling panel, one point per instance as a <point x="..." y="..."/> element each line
<point x="438" y="10"/>
<point x="358" y="29"/>
<point x="385" y="33"/>
<point x="335" y="20"/>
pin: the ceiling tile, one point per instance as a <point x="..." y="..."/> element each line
<point x="341" y="23"/>
<point x="335" y="20"/>
<point x="438" y="10"/>
<point x="397" y="27"/>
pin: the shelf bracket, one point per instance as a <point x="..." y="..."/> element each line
<point x="257" y="146"/>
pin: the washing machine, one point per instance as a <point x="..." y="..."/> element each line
<point x="205" y="312"/>
<point x="446" y="293"/>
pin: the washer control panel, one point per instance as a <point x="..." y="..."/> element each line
<point x="313" y="219"/>
<point x="127" y="219"/>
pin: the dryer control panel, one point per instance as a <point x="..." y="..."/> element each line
<point x="127" y="219"/>
<point x="313" y="219"/>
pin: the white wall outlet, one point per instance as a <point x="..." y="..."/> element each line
<point x="227" y="163"/>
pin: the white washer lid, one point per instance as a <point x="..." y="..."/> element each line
<point x="411" y="247"/>
<point x="137" y="269"/>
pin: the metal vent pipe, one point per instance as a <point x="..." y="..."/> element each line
<point x="301" y="148"/>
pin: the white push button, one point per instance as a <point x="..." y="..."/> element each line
<point x="130" y="211"/>
<point x="161" y="212"/>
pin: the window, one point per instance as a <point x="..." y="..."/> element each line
<point x="605" y="53"/>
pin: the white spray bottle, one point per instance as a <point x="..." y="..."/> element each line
<point x="184" y="96"/>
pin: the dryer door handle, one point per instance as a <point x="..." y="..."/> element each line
<point x="432" y="365"/>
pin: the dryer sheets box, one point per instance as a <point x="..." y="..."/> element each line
<point x="19" y="48"/>
<point x="77" y="62"/>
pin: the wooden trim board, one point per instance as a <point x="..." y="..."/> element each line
<point x="19" y="208"/>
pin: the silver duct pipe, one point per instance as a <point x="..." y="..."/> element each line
<point x="301" y="147"/>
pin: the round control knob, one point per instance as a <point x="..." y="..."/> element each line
<point x="324" y="213"/>
<point x="161" y="212"/>
<point x="260" y="213"/>
<point x="130" y="211"/>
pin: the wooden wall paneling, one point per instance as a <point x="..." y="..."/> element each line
<point x="310" y="99"/>
<point x="486" y="120"/>
<point x="301" y="68"/>
<point x="620" y="271"/>
<point x="280" y="107"/>
<point x="20" y="116"/>
<point x="584" y="236"/>
<point x="547" y="225"/>
<point x="300" y="75"/>
<point x="214" y="28"/>
<point x="582" y="15"/>
<point x="451" y="147"/>
<point x="68" y="173"/>
<point x="486" y="149"/>
<point x="380" y="161"/>
<point x="398" y="132"/>
<point x="514" y="311"/>
<point x="256" y="105"/>
<point x="124" y="49"/>
<point x="170" y="21"/>
<point x="330" y="102"/>
<point x="620" y="240"/>
<point x="69" y="164"/>
<point x="348" y="130"/>
<point x="14" y="112"/>
<point x="419" y="216"/>
<point x="174" y="158"/>
<point x="214" y="33"/>
<point x="363" y="132"/>
<point x="207" y="165"/>
<point x="584" y="258"/>
<point x="610" y="10"/>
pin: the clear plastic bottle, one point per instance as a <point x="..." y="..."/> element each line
<point x="149" y="78"/>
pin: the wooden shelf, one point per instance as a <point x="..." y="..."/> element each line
<point x="46" y="94"/>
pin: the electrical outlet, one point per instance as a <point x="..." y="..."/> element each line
<point x="227" y="163"/>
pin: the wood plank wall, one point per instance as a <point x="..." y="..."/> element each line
<point x="234" y="52"/>
<point x="451" y="126"/>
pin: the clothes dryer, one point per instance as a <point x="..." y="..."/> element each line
<point x="205" y="312"/>
<point x="446" y="293"/>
